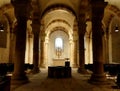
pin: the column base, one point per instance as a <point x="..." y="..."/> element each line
<point x="82" y="71"/>
<point x="74" y="65"/>
<point x="35" y="70"/>
<point x="98" y="79"/>
<point x="19" y="79"/>
<point x="42" y="66"/>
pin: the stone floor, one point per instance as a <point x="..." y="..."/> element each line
<point x="78" y="82"/>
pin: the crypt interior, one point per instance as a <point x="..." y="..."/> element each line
<point x="49" y="33"/>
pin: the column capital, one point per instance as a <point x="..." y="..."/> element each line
<point x="98" y="8"/>
<point x="94" y="1"/>
<point x="82" y="23"/>
<point x="20" y="1"/>
<point x="43" y="35"/>
<point x="35" y="28"/>
<point x="22" y="8"/>
<point x="82" y="17"/>
<point x="75" y="36"/>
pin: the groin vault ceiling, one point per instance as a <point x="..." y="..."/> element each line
<point x="64" y="15"/>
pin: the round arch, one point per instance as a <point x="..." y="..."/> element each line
<point x="110" y="15"/>
<point x="58" y="6"/>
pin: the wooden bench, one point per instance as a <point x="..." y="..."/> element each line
<point x="5" y="83"/>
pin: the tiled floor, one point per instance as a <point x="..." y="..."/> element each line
<point x="78" y="82"/>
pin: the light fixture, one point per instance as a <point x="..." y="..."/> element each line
<point x="116" y="28"/>
<point x="1" y="28"/>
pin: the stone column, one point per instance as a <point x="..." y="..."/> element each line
<point x="35" y="29"/>
<point x="82" y="29"/>
<point x="74" y="54"/>
<point x="75" y="38"/>
<point x="106" y="43"/>
<point x="46" y="51"/>
<point x="19" y="76"/>
<point x="42" y="47"/>
<point x="71" y="52"/>
<point x="42" y="59"/>
<point x="30" y="48"/>
<point x="98" y="75"/>
<point x="12" y="46"/>
<point x="87" y="48"/>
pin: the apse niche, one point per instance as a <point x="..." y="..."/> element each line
<point x="58" y="48"/>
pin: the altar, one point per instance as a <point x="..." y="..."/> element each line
<point x="58" y="62"/>
<point x="59" y="72"/>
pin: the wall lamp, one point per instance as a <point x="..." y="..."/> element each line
<point x="116" y="28"/>
<point x="1" y="28"/>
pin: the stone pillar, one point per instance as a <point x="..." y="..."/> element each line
<point x="35" y="29"/>
<point x="19" y="76"/>
<point x="46" y="44"/>
<point x="71" y="52"/>
<point x="30" y="48"/>
<point x="75" y="38"/>
<point x="12" y="46"/>
<point x="82" y="29"/>
<point x="87" y="48"/>
<point x="98" y="75"/>
<point x="74" y="54"/>
<point x="106" y="43"/>
<point x="42" y="46"/>
<point x="42" y="59"/>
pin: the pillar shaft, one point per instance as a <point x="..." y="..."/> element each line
<point x="42" y="54"/>
<point x="81" y="68"/>
<point x="75" y="54"/>
<point x="36" y="53"/>
<point x="87" y="48"/>
<point x="29" y="49"/>
<point x="21" y="11"/>
<point x="46" y="44"/>
<point x="36" y="48"/>
<point x="42" y="46"/>
<point x="75" y="46"/>
<point x="12" y="47"/>
<point x="97" y="34"/>
<point x="82" y="29"/>
<point x="71" y="52"/>
<point x="106" y="43"/>
<point x="81" y="51"/>
<point x="19" y="76"/>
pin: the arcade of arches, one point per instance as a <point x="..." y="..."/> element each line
<point x="44" y="33"/>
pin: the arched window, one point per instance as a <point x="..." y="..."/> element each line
<point x="59" y="43"/>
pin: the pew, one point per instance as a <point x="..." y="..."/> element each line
<point x="5" y="83"/>
<point x="112" y="69"/>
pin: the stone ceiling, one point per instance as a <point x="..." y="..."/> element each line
<point x="60" y="17"/>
